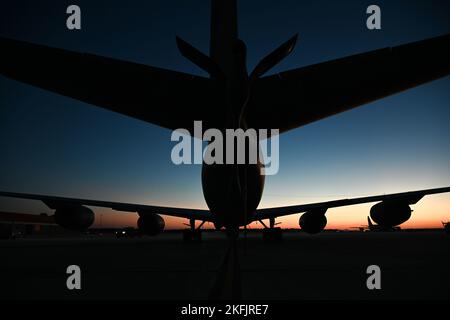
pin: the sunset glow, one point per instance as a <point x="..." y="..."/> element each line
<point x="54" y="145"/>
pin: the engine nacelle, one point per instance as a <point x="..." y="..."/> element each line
<point x="74" y="217"/>
<point x="151" y="224"/>
<point x="390" y="214"/>
<point x="313" y="222"/>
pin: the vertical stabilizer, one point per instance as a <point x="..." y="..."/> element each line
<point x="224" y="33"/>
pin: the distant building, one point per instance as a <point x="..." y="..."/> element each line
<point x="14" y="225"/>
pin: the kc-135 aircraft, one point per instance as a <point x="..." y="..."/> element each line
<point x="230" y="98"/>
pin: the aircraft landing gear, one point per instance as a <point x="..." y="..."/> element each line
<point x="272" y="233"/>
<point x="193" y="234"/>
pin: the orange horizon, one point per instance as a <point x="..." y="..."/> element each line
<point x="130" y="220"/>
<point x="430" y="212"/>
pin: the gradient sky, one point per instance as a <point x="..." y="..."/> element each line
<point x="50" y="144"/>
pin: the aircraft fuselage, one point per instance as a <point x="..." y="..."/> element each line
<point x="233" y="191"/>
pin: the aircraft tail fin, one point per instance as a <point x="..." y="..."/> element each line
<point x="199" y="58"/>
<point x="274" y="57"/>
<point x="224" y="32"/>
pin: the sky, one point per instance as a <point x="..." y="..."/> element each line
<point x="53" y="145"/>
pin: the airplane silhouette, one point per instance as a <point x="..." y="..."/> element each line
<point x="446" y="226"/>
<point x="375" y="227"/>
<point x="230" y="98"/>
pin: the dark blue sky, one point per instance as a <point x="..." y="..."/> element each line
<point x="55" y="145"/>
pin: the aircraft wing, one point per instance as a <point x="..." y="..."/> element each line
<point x="55" y="202"/>
<point x="297" y="97"/>
<point x="408" y="198"/>
<point x="163" y="97"/>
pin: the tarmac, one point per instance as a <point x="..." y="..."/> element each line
<point x="330" y="265"/>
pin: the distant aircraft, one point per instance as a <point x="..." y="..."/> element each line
<point x="446" y="226"/>
<point x="229" y="98"/>
<point x="375" y="227"/>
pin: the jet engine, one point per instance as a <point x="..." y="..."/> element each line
<point x="390" y="214"/>
<point x="74" y="217"/>
<point x="151" y="224"/>
<point x="313" y="222"/>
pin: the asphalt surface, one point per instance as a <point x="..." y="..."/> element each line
<point x="414" y="265"/>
